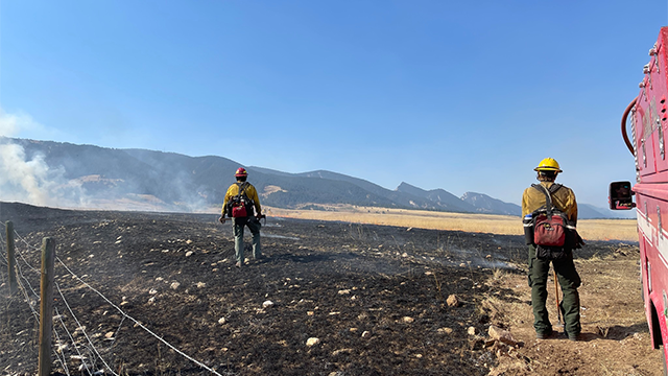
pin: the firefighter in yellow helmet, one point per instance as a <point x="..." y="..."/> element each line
<point x="563" y="199"/>
<point x="240" y="201"/>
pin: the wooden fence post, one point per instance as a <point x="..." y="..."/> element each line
<point x="46" y="306"/>
<point x="11" y="257"/>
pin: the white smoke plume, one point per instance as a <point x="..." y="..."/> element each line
<point x="31" y="181"/>
<point x="12" y="125"/>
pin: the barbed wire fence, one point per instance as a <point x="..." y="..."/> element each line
<point x="74" y="348"/>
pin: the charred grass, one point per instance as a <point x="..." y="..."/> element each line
<point x="375" y="297"/>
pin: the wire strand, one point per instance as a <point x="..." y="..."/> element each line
<point x="74" y="344"/>
<point x="83" y="330"/>
<point x="138" y="323"/>
<point x="62" y="359"/>
<point x="124" y="315"/>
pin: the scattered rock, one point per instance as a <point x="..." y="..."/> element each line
<point x="344" y="292"/>
<point x="80" y="329"/>
<point x="189" y="253"/>
<point x="490" y="342"/>
<point x="152" y="292"/>
<point x="501" y="335"/>
<point x="471" y="331"/>
<point x="366" y="334"/>
<point x="201" y="285"/>
<point x="312" y="341"/>
<point x="174" y="285"/>
<point x="267" y="304"/>
<point x="222" y="321"/>
<point x="445" y="330"/>
<point x="453" y="301"/>
<point x="337" y="352"/>
<point x="462" y="265"/>
<point x="407" y="319"/>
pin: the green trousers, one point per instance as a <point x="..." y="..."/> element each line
<point x="569" y="281"/>
<point x="254" y="226"/>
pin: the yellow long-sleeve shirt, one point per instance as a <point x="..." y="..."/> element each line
<point x="563" y="199"/>
<point x="251" y="192"/>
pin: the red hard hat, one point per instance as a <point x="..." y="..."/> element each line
<point x="241" y="172"/>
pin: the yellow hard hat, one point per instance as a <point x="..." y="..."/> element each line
<point x="548" y="164"/>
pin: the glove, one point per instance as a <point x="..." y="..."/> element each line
<point x="221" y="219"/>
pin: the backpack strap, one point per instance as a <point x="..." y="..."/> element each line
<point x="242" y="188"/>
<point x="554" y="188"/>
<point x="242" y="191"/>
<point x="548" y="201"/>
<point x="548" y="197"/>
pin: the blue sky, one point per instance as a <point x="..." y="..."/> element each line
<point x="464" y="96"/>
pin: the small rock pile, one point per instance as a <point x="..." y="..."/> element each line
<point x="500" y="342"/>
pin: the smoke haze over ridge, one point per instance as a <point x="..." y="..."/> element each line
<point x="31" y="180"/>
<point x="72" y="176"/>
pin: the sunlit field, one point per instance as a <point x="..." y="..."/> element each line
<point x="589" y="229"/>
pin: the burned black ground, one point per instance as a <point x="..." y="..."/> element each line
<point x="373" y="295"/>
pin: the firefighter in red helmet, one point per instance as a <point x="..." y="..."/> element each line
<point x="534" y="201"/>
<point x="240" y="201"/>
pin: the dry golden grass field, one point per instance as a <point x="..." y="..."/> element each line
<point x="589" y="229"/>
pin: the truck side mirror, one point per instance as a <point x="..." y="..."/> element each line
<point x="621" y="196"/>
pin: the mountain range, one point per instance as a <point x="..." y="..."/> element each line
<point x="93" y="176"/>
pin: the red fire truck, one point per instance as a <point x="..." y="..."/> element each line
<point x="648" y="118"/>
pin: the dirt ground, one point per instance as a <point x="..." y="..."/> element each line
<point x="375" y="297"/>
